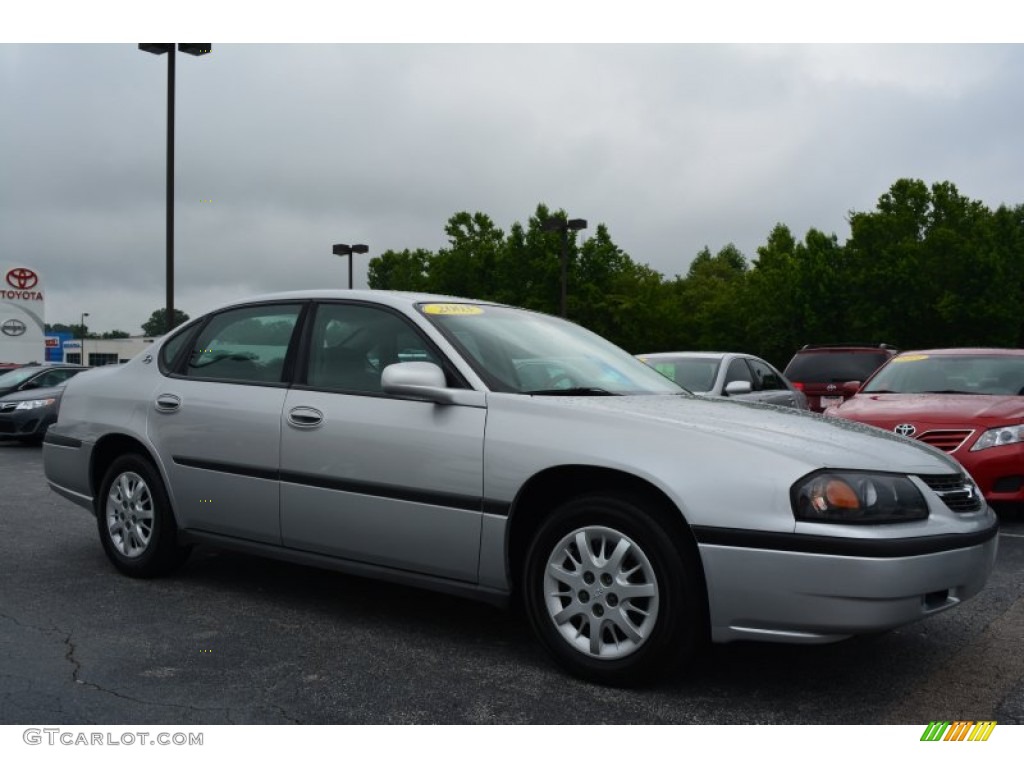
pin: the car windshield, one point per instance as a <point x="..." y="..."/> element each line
<point x="821" y="367"/>
<point x="514" y="350"/>
<point x="15" y="377"/>
<point x="697" y="374"/>
<point x="974" y="374"/>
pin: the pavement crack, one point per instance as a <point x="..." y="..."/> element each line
<point x="76" y="676"/>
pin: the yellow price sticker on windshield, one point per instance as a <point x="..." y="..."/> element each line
<point x="452" y="309"/>
<point x="909" y="358"/>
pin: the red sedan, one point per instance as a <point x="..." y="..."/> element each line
<point x="966" y="402"/>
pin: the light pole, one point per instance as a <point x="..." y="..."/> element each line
<point x="193" y="49"/>
<point x="81" y="352"/>
<point x="343" y="249"/>
<point x="562" y="225"/>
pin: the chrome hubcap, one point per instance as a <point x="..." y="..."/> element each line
<point x="130" y="514"/>
<point x="601" y="592"/>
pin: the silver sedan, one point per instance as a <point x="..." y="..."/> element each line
<point x="503" y="455"/>
<point x="728" y="374"/>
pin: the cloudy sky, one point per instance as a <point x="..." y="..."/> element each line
<point x="299" y="146"/>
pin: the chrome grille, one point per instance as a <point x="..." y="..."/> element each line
<point x="947" y="440"/>
<point x="958" y="493"/>
<point x="7" y="407"/>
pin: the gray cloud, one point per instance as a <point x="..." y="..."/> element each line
<point x="299" y="146"/>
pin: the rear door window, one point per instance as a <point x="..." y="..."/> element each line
<point x="248" y="344"/>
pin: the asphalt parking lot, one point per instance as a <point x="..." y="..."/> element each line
<point x="237" y="639"/>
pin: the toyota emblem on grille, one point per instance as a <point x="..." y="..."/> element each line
<point x="905" y="429"/>
<point x="831" y="387"/>
<point x="13" y="327"/>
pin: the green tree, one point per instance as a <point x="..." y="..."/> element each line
<point x="115" y="334"/>
<point x="795" y="294"/>
<point x="467" y="266"/>
<point x="926" y="270"/>
<point x="157" y="326"/>
<point x="400" y="270"/>
<point x="710" y="301"/>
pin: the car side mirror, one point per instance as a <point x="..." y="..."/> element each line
<point x="425" y="381"/>
<point x="738" y="388"/>
<point x="851" y="388"/>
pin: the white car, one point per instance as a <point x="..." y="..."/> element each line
<point x="501" y="454"/>
<point x="728" y="374"/>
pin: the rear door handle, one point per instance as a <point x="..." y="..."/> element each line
<point x="167" y="403"/>
<point x="305" y="417"/>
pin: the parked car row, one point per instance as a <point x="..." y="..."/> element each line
<point x="502" y="454"/>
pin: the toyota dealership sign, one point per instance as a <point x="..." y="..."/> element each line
<point x="22" y="336"/>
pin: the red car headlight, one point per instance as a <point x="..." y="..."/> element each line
<point x="999" y="436"/>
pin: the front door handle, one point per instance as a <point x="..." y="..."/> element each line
<point x="305" y="417"/>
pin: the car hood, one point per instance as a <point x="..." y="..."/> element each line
<point x="801" y="435"/>
<point x="994" y="410"/>
<point x="33" y="394"/>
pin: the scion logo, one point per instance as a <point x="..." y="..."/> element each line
<point x="959" y="730"/>
<point x="905" y="429"/>
<point x="22" y="278"/>
<point x="13" y="327"/>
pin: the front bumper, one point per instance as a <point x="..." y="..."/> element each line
<point x="24" y="424"/>
<point x="999" y="472"/>
<point x="811" y="597"/>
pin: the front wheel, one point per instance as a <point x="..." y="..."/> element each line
<point x="610" y="593"/>
<point x="135" y="521"/>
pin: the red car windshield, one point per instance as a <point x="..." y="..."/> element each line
<point x="973" y="374"/>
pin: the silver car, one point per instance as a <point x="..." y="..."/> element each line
<point x="728" y="374"/>
<point x="502" y="454"/>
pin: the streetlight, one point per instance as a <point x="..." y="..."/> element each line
<point x="563" y="226"/>
<point x="81" y="352"/>
<point x="342" y="249"/>
<point x="193" y="49"/>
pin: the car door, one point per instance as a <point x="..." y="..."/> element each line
<point x="369" y="477"/>
<point x="738" y="370"/>
<point x="769" y="385"/>
<point x="216" y="422"/>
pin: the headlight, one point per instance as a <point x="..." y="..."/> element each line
<point x="28" y="405"/>
<point x="857" y="497"/>
<point x="999" y="436"/>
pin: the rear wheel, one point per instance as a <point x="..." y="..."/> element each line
<point x="135" y="521"/>
<point x="610" y="593"/>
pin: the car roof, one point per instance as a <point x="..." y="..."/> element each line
<point x="49" y="367"/>
<point x="389" y="298"/>
<point x="693" y="354"/>
<point x="954" y="351"/>
<point x="846" y="348"/>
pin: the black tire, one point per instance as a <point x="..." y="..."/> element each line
<point x="135" y="521"/>
<point x="664" y="643"/>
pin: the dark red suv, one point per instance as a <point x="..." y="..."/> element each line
<point x="820" y="370"/>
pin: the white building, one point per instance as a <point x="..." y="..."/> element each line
<point x="105" y="351"/>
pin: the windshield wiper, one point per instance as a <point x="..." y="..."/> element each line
<point x="946" y="392"/>
<point x="572" y="391"/>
